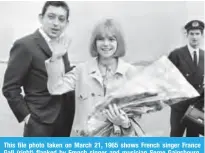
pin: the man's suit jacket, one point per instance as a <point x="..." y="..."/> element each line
<point x="26" y="68"/>
<point x="181" y="57"/>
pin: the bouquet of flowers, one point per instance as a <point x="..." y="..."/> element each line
<point x="156" y="86"/>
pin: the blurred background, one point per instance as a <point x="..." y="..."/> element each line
<point x="151" y="29"/>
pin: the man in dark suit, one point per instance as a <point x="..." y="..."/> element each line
<point x="43" y="114"/>
<point x="190" y="61"/>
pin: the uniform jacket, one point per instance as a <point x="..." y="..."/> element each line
<point x="181" y="57"/>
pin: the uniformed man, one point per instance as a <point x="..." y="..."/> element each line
<point x="189" y="60"/>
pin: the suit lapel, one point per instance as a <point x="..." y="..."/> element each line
<point x="45" y="48"/>
<point x="42" y="44"/>
<point x="66" y="62"/>
<point x="188" y="59"/>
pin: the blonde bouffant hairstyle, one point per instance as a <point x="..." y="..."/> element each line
<point x="107" y="27"/>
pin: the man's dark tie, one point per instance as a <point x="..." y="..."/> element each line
<point x="195" y="58"/>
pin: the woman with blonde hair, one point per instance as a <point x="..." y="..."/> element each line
<point x="93" y="81"/>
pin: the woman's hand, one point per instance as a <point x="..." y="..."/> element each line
<point x="59" y="47"/>
<point x="117" y="116"/>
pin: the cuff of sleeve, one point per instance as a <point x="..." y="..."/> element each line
<point x="126" y="124"/>
<point x="21" y="112"/>
<point x="49" y="60"/>
<point x="52" y="65"/>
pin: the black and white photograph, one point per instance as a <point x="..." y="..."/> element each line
<point x="102" y="69"/>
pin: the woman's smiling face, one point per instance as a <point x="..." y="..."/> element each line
<point x="106" y="45"/>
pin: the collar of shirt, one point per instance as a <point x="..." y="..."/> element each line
<point x="191" y="51"/>
<point x="121" y="67"/>
<point x="48" y="41"/>
<point x="45" y="36"/>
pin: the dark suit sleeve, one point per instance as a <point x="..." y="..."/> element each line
<point x="17" y="69"/>
<point x="174" y="58"/>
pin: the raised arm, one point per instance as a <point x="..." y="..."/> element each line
<point x="60" y="82"/>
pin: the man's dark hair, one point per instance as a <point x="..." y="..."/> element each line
<point x="56" y="4"/>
